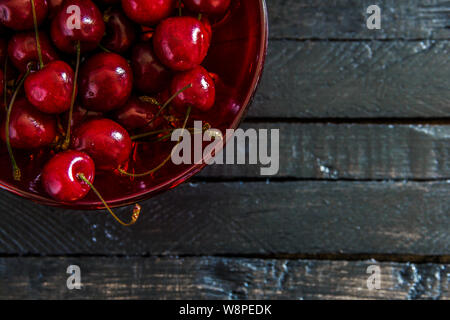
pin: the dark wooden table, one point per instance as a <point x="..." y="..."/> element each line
<point x="364" y="180"/>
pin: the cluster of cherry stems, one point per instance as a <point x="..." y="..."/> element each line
<point x="63" y="107"/>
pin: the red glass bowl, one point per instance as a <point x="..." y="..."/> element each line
<point x="237" y="54"/>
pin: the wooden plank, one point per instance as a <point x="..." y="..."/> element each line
<point x="261" y="218"/>
<point x="351" y="151"/>
<point x="355" y="80"/>
<point x="218" y="278"/>
<point x="346" y="19"/>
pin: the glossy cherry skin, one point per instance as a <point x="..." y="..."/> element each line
<point x="18" y="15"/>
<point x="148" y="12"/>
<point x="28" y="127"/>
<point x="50" y="89"/>
<point x="209" y="7"/>
<point x="92" y="28"/>
<point x="79" y="116"/>
<point x="22" y="50"/>
<point x="107" y="142"/>
<point x="200" y="96"/>
<point x="59" y="176"/>
<point x="137" y="114"/>
<point x="150" y="75"/>
<point x="181" y="43"/>
<point x="106" y="81"/>
<point x="120" y="31"/>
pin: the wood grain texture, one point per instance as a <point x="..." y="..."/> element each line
<point x="351" y="151"/>
<point x="346" y="19"/>
<point x="218" y="278"/>
<point x="355" y="80"/>
<point x="261" y="218"/>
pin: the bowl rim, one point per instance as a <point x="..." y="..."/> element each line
<point x="188" y="172"/>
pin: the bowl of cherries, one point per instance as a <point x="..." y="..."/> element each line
<point x="92" y="90"/>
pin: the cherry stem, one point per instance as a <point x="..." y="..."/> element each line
<point x="16" y="169"/>
<point x="162" y="164"/>
<point x="136" y="209"/>
<point x="66" y="143"/>
<point x="5" y="85"/>
<point x="104" y="49"/>
<point x="180" y="8"/>
<point x="36" y="30"/>
<point x="168" y="102"/>
<point x="200" y="17"/>
<point x="152" y="133"/>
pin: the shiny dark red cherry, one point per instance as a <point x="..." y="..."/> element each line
<point x="210" y="7"/>
<point x="60" y="175"/>
<point x="201" y="95"/>
<point x="120" y="31"/>
<point x="150" y="75"/>
<point x="106" y="81"/>
<point x="107" y="142"/>
<point x="148" y="12"/>
<point x="29" y="128"/>
<point x="181" y="43"/>
<point x="50" y="89"/>
<point x="22" y="49"/>
<point x="17" y="14"/>
<point x="66" y="33"/>
<point x="139" y="114"/>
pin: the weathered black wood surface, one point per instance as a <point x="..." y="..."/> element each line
<point x="219" y="278"/>
<point x="364" y="119"/>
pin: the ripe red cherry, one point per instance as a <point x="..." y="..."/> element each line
<point x="29" y="128"/>
<point x="80" y="115"/>
<point x="17" y="14"/>
<point x="106" y="81"/>
<point x="50" y="89"/>
<point x="22" y="50"/>
<point x="65" y="34"/>
<point x="181" y="43"/>
<point x="120" y="31"/>
<point x="210" y="7"/>
<point x="137" y="114"/>
<point x="60" y="176"/>
<point x="201" y="95"/>
<point x="105" y="141"/>
<point x="150" y="75"/>
<point x="148" y="12"/>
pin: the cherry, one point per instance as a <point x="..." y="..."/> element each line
<point x="120" y="31"/>
<point x="80" y="115"/>
<point x="69" y="177"/>
<point x="148" y="12"/>
<point x="17" y="14"/>
<point x="105" y="141"/>
<point x="29" y="128"/>
<point x="209" y="7"/>
<point x="202" y="93"/>
<point x="150" y="75"/>
<point x="138" y="113"/>
<point x="50" y="89"/>
<point x="110" y="2"/>
<point x="106" y="81"/>
<point x="59" y="176"/>
<point x="181" y="43"/>
<point x="66" y="34"/>
<point x="22" y="50"/>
